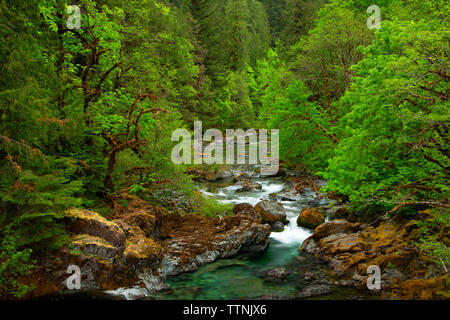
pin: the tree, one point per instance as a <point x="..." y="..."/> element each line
<point x="395" y="147"/>
<point x="298" y="17"/>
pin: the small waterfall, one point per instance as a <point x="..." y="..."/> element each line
<point x="292" y="234"/>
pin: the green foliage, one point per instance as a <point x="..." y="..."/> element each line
<point x="438" y="251"/>
<point x="433" y="240"/>
<point x="394" y="147"/>
<point x="210" y="207"/>
<point x="14" y="263"/>
<point x="304" y="122"/>
<point x="136" y="189"/>
<point x="81" y="110"/>
<point x="298" y="17"/>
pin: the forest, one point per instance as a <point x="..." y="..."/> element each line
<point x="87" y="112"/>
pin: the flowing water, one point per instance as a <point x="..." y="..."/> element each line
<point x="242" y="276"/>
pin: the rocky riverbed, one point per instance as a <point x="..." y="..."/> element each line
<point x="147" y="252"/>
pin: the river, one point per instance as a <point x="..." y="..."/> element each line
<point x="244" y="276"/>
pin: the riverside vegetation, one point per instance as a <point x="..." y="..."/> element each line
<point x="86" y="117"/>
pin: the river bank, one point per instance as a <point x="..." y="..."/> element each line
<point x="149" y="253"/>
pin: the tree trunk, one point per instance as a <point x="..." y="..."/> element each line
<point x="109" y="172"/>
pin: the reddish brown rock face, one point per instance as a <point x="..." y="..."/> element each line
<point x="310" y="218"/>
<point x="194" y="241"/>
<point x="271" y="211"/>
<point x="335" y="227"/>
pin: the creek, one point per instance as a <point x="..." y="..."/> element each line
<point x="243" y="276"/>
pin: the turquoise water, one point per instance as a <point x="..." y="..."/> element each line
<point x="240" y="277"/>
<point x="243" y="277"/>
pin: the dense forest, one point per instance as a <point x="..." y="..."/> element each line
<point x="89" y="112"/>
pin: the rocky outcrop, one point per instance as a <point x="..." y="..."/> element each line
<point x="335" y="227"/>
<point x="130" y="254"/>
<point x="350" y="248"/>
<point x="194" y="241"/>
<point x="419" y="289"/>
<point x="88" y="222"/>
<point x="310" y="218"/>
<point x="271" y="211"/>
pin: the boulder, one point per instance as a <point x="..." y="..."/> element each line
<point x="245" y="209"/>
<point x="350" y="248"/>
<point x="91" y="245"/>
<point x="242" y="177"/>
<point x="247" y="185"/>
<point x="278" y="227"/>
<point x="279" y="273"/>
<point x="335" y="227"/>
<point x="271" y="211"/>
<point x="195" y="241"/>
<point x="310" y="218"/>
<point x="91" y="223"/>
<point x="287" y="195"/>
<point x="280" y="173"/>
<point x="143" y="244"/>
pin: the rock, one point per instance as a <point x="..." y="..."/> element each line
<point x="279" y="273"/>
<point x="391" y="276"/>
<point x="130" y="255"/>
<point x="341" y="242"/>
<point x="310" y="218"/>
<point x="88" y="222"/>
<point x="350" y="248"/>
<point x="313" y="291"/>
<point x="358" y="277"/>
<point x="335" y="227"/>
<point x="242" y="177"/>
<point x="287" y="195"/>
<point x="247" y="185"/>
<point x="318" y="202"/>
<point x="419" y="289"/>
<point x="200" y="175"/>
<point x="346" y="283"/>
<point x="280" y="173"/>
<point x="91" y="245"/>
<point x="278" y="227"/>
<point x="309" y="276"/>
<point x="271" y="211"/>
<point x="306" y="184"/>
<point x="245" y="209"/>
<point x="145" y="250"/>
<point x="134" y="293"/>
<point x="195" y="241"/>
<point x="340" y="212"/>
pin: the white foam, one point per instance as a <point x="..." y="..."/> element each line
<point x="292" y="233"/>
